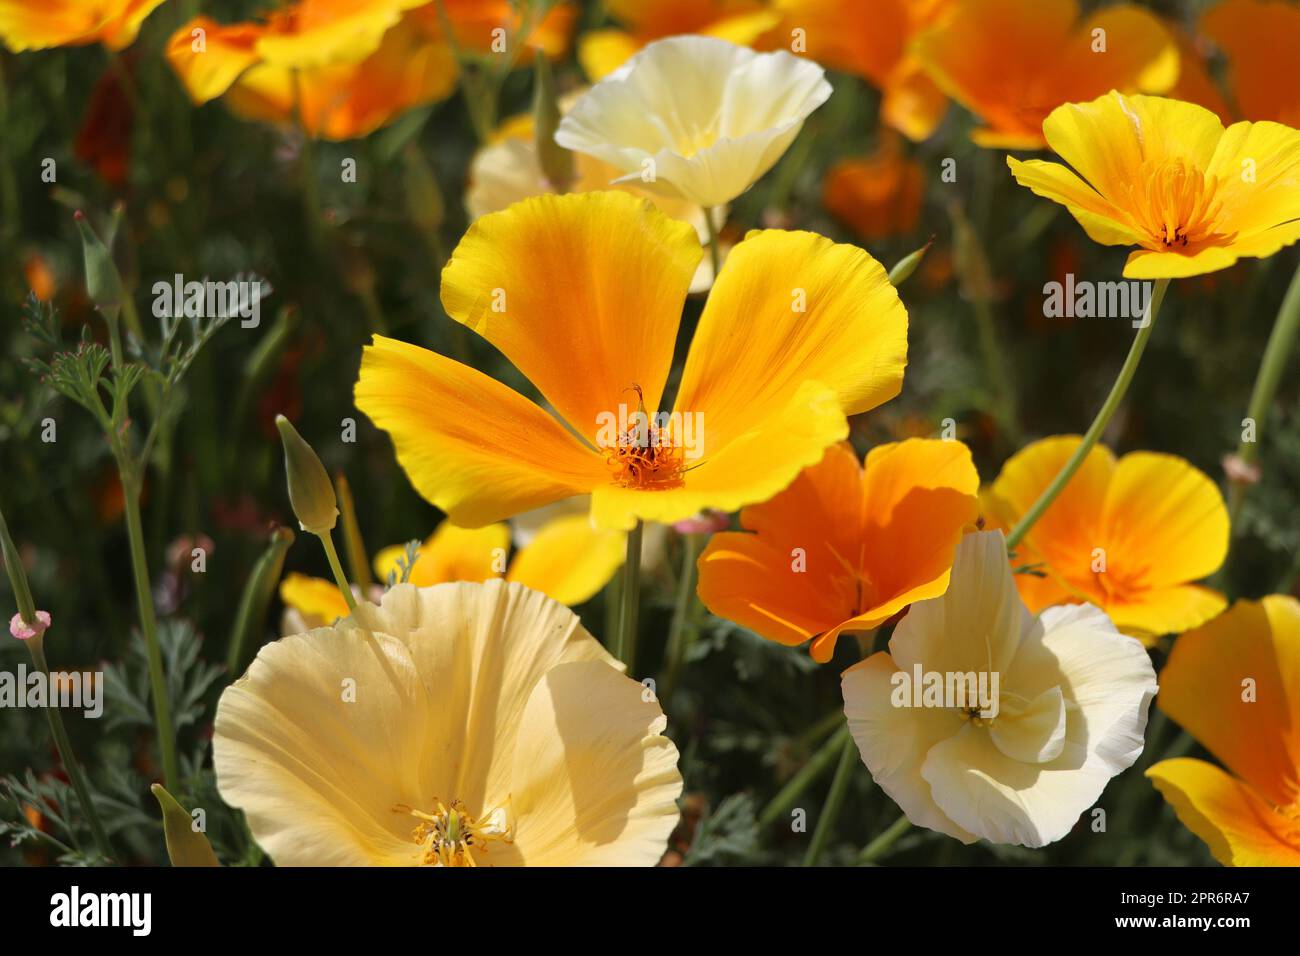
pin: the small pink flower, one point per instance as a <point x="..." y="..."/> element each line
<point x="706" y="522"/>
<point x="24" y="631"/>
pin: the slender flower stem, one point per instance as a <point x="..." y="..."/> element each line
<point x="834" y="800"/>
<point x="715" y="250"/>
<point x="814" y="768"/>
<point x="341" y="579"/>
<point x="149" y="628"/>
<point x="682" y="628"/>
<point x="631" y="599"/>
<point x="1277" y="352"/>
<point x="881" y="844"/>
<point x="1099" y="423"/>
<point x="68" y="756"/>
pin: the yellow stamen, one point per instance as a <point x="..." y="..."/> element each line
<point x="1175" y="203"/>
<point x="451" y="836"/>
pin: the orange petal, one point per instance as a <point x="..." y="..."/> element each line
<point x="1234" y="685"/>
<point x="1262" y="44"/>
<point x="470" y="445"/>
<point x="790" y="307"/>
<point x="1240" y="828"/>
<point x="1164" y="521"/>
<point x="582" y="292"/>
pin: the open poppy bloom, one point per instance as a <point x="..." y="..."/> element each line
<point x="1234" y="685"/>
<point x="508" y="170"/>
<point x="696" y="117"/>
<point x="340" y="69"/>
<point x="1167" y="177"/>
<point x="873" y="39"/>
<point x="844" y="548"/>
<point x="566" y="559"/>
<point x="1261" y="40"/>
<point x="583" y="294"/>
<point x="1128" y="536"/>
<point x="985" y="722"/>
<point x="456" y="725"/>
<point x="27" y="25"/>
<point x="1011" y="62"/>
<point x="603" y="51"/>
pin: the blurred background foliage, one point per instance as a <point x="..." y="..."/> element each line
<point x="203" y="193"/>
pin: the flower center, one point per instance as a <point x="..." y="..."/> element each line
<point x="451" y="836"/>
<point x="645" y="456"/>
<point x="1175" y="203"/>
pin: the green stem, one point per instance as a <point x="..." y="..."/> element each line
<point x="256" y="598"/>
<point x="66" y="754"/>
<point x="881" y="844"/>
<point x="307" y="171"/>
<point x="681" y="630"/>
<point x="327" y="541"/>
<point x="814" y="768"/>
<point x="149" y="628"/>
<point x="715" y="250"/>
<point x="1099" y="423"/>
<point x="627" y="625"/>
<point x="834" y="801"/>
<point x="1276" y="355"/>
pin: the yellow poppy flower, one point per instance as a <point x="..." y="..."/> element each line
<point x="455" y="725"/>
<point x="583" y="294"/>
<point x="508" y="170"/>
<point x="845" y="547"/>
<point x="1166" y="176"/>
<point x="342" y="69"/>
<point x="1030" y="718"/>
<point x="603" y="51"/>
<point x="1261" y="40"/>
<point x="25" y="25"/>
<point x="1234" y="685"/>
<point x="878" y="196"/>
<point x="873" y="39"/>
<point x="1128" y="536"/>
<point x="567" y="559"/>
<point x="707" y="138"/>
<point x="1011" y="62"/>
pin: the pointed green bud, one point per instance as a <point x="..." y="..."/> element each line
<point x="186" y="846"/>
<point x="103" y="281"/>
<point x="555" y="160"/>
<point x="905" y="266"/>
<point x="310" y="490"/>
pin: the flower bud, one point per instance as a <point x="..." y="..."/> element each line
<point x="185" y="845"/>
<point x="103" y="281"/>
<point x="311" y="493"/>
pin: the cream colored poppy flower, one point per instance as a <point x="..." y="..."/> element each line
<point x="461" y="724"/>
<point x="1068" y="709"/>
<point x="696" y="117"/>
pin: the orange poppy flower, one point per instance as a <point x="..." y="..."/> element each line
<point x="1261" y="40"/>
<point x="1195" y="85"/>
<point x="601" y="52"/>
<point x="879" y="195"/>
<point x="1128" y="535"/>
<point x="25" y="25"/>
<point x="482" y="27"/>
<point x="343" y="69"/>
<point x="1011" y="62"/>
<point x="1234" y="685"/>
<point x="845" y="547"/>
<point x="583" y="294"/>
<point x="873" y="39"/>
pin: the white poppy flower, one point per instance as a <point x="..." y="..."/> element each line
<point x="1070" y="712"/>
<point x="696" y="117"/>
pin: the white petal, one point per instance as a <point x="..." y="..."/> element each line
<point x="894" y="741"/>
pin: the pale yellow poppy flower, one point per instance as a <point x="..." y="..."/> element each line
<point x="1067" y="712"/>
<point x="696" y="117"/>
<point x="461" y="724"/>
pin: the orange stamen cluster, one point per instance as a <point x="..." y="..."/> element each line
<point x="646" y="458"/>
<point x="1175" y="203"/>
